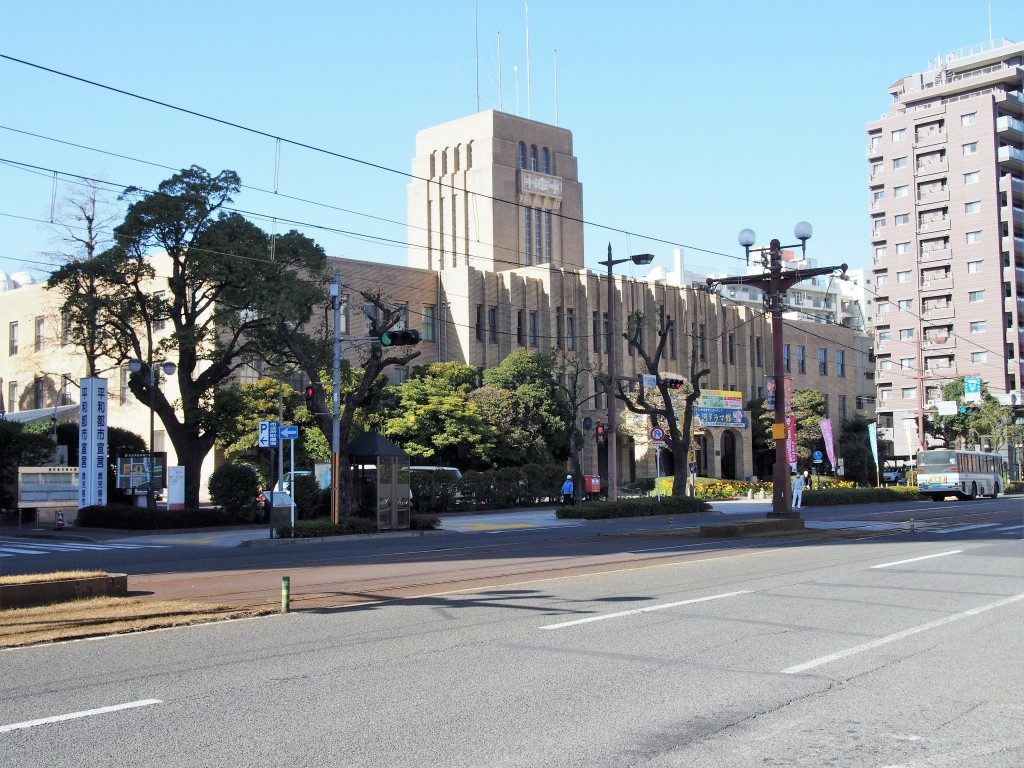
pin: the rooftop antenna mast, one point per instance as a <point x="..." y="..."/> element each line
<point x="501" y="101"/>
<point x="556" y="86"/>
<point x="476" y="40"/>
<point x="515" y="72"/>
<point x="529" y="110"/>
<point x="990" y="24"/>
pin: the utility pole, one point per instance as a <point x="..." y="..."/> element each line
<point x="336" y="404"/>
<point x="774" y="282"/>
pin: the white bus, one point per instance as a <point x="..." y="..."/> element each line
<point x="965" y="474"/>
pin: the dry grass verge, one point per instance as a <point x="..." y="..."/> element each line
<point x="35" y="578"/>
<point x="109" y="615"/>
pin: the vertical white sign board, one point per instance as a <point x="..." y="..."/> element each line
<point x="92" y="443"/>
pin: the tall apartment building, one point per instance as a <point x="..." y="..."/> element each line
<point x="946" y="198"/>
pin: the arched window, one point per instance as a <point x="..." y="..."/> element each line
<point x="522" y="155"/>
<point x="469" y="155"/>
<point x="455" y="158"/>
<point x="444" y="162"/>
<point x="545" y="160"/>
<point x="433" y="164"/>
<point x="533" y="157"/>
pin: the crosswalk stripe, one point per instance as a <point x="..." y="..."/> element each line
<point x="966" y="528"/>
<point x="10" y="548"/>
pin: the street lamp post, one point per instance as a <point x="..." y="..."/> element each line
<point x="610" y="437"/>
<point x="774" y="282"/>
<point x="137" y="367"/>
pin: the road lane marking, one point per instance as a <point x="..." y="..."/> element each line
<point x="1008" y="529"/>
<point x="76" y="715"/>
<point x="915" y="559"/>
<point x="644" y="610"/>
<point x="898" y="636"/>
<point x="966" y="528"/>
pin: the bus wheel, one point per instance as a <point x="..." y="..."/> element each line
<point x="974" y="491"/>
<point x="937" y="497"/>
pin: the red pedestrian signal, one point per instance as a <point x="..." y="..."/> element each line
<point x="310" y="393"/>
<point x="599" y="432"/>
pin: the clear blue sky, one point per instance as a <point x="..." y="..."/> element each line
<point x="690" y="120"/>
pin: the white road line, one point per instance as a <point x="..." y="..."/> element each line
<point x="76" y="715"/>
<point x="1008" y="528"/>
<point x="966" y="528"/>
<point x="644" y="610"/>
<point x="898" y="636"/>
<point x="915" y="559"/>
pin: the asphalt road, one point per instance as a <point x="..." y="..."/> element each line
<point x="891" y="649"/>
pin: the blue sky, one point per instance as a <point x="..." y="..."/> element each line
<point x="690" y="120"/>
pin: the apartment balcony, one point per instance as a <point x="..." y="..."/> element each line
<point x="939" y="343"/>
<point x="1013" y="186"/>
<point x="944" y="312"/>
<point x="877" y="233"/>
<point x="935" y="225"/>
<point x="1010" y="128"/>
<point x="936" y="254"/>
<point x="936" y="166"/>
<point x="930" y="139"/>
<point x="1012" y="158"/>
<point x="937" y="284"/>
<point x="940" y="196"/>
<point x="1013" y="244"/>
<point x="1011" y="101"/>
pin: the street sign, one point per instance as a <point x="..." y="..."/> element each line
<point x="817" y="457"/>
<point x="657" y="435"/>
<point x="267" y="434"/>
<point x="289" y="432"/>
<point x="972" y="389"/>
<point x="588" y="423"/>
<point x="650" y="381"/>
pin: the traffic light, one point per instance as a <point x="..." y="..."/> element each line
<point x="673" y="383"/>
<point x="309" y="394"/>
<point x="400" y="338"/>
<point x="599" y="432"/>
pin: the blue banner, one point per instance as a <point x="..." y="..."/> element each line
<point x="873" y="440"/>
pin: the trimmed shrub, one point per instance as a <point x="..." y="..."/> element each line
<point x="311" y="501"/>
<point x="141" y="519"/>
<point x="433" y="491"/>
<point x="476" y="488"/>
<point x="669" y="505"/>
<point x="1014" y="487"/>
<point x="509" y="486"/>
<point x="234" y="488"/>
<point x="424" y="523"/>
<point x="835" y="496"/>
<point x="312" y="529"/>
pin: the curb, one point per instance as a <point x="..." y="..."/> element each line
<point x="46" y="592"/>
<point x="268" y="542"/>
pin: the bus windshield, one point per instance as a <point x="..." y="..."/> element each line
<point x="935" y="460"/>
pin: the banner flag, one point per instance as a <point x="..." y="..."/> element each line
<point x="873" y="441"/>
<point x="826" y="435"/>
<point x="791" y="442"/>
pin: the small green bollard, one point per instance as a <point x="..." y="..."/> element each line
<point x="911" y="525"/>
<point x="286" y="594"/>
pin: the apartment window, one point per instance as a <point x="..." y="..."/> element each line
<point x="899" y="162"/>
<point x="969" y="119"/>
<point x="1011" y="352"/>
<point x="558" y="327"/>
<point x="971" y="148"/>
<point x="732" y="349"/>
<point x="876" y="168"/>
<point x="877" y="195"/>
<point x="12" y="346"/>
<point x="878" y="222"/>
<point x="826" y="404"/>
<point x="479" y="325"/>
<point x="972" y="177"/>
<point x="880" y="252"/>
<point x="901" y="219"/>
<point x="841" y="412"/>
<point x="758" y="352"/>
<point x="899" y="134"/>
<point x="903" y="277"/>
<point x="974" y="267"/>
<point x="974" y="236"/>
<point x="975" y="296"/>
<point x="884" y="334"/>
<point x="1008" y="318"/>
<point x="881" y="279"/>
<point x="40" y="333"/>
<point x="841" y="363"/>
<point x="822" y="361"/>
<point x="906" y="363"/>
<point x="429" y="330"/>
<point x="570" y="329"/>
<point x="901" y="191"/>
<point x="979" y="357"/>
<point x="885" y="393"/>
<point x="978" y="326"/>
<point x="884" y="364"/>
<point x="492" y="323"/>
<point x="972" y="207"/>
<point x="908" y="393"/>
<point x="785" y="358"/>
<point x="159" y="310"/>
<point x="874" y="141"/>
<point x="534" y="329"/>
<point x="906" y="334"/>
<point x="37" y="392"/>
<point x="883" y="306"/>
<point x="801" y="359"/>
<point x="905" y="305"/>
<point x="521" y="327"/>
<point x="902" y="248"/>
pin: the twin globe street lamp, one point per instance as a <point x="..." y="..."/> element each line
<point x="137" y="367"/>
<point x="639" y="259"/>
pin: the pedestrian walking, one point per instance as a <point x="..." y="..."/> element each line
<point x="798" y="491"/>
<point x="567" y="491"/>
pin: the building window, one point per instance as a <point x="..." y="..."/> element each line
<point x="899" y="134"/>
<point x="880" y="252"/>
<point x="159" y="310"/>
<point x="908" y="393"/>
<point x="978" y="326"/>
<point x="429" y="329"/>
<point x="12" y="396"/>
<point x="979" y="357"/>
<point x="901" y="219"/>
<point x="595" y="331"/>
<point x="570" y="328"/>
<point x="827" y="408"/>
<point x="969" y="119"/>
<point x="884" y="393"/>
<point x="841" y="362"/>
<point x="534" y="329"/>
<point x="903" y="277"/>
<point x="972" y="177"/>
<point x="878" y="222"/>
<point x="521" y="158"/>
<point x="758" y="352"/>
<point x="492" y="323"/>
<point x="598" y="394"/>
<point x="883" y="306"/>
<point x="971" y="148"/>
<point x="899" y="162"/>
<point x="906" y="363"/>
<point x="533" y="157"/>
<point x="558" y="327"/>
<point x="528" y="234"/>
<point x="822" y="361"/>
<point x="906" y="334"/>
<point x="974" y="266"/>
<point x="703" y="338"/>
<point x="905" y="305"/>
<point x="901" y="191"/>
<point x="785" y="358"/>
<point x="972" y="207"/>
<point x="545" y="160"/>
<point x="479" y="325"/>
<point x="37" y="392"/>
<point x="521" y="327"/>
<point x="975" y="296"/>
<point x="732" y="349"/>
<point x="974" y="236"/>
<point x="841" y="412"/>
<point x="801" y="359"/>
<point x="902" y="248"/>
<point x="672" y="342"/>
<point x="547" y="235"/>
<point x="606" y="335"/>
<point x="12" y="346"/>
<point x="877" y="195"/>
<point x="40" y="333"/>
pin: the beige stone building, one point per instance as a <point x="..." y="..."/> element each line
<point x="946" y="199"/>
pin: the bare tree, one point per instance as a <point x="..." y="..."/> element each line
<point x="571" y="372"/>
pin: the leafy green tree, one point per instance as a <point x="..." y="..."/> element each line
<point x="508" y="438"/>
<point x="760" y="436"/>
<point x="19" y="447"/>
<point x="809" y="410"/>
<point x="854" y="447"/>
<point x="988" y="423"/>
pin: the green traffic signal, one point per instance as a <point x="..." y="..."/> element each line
<point x="400" y="338"/>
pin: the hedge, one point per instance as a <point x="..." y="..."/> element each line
<point x="141" y="519"/>
<point x="669" y="505"/>
<point x="312" y="529"/>
<point x="836" y="496"/>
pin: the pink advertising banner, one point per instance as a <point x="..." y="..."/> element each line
<point x="826" y="435"/>
<point x="791" y="442"/>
